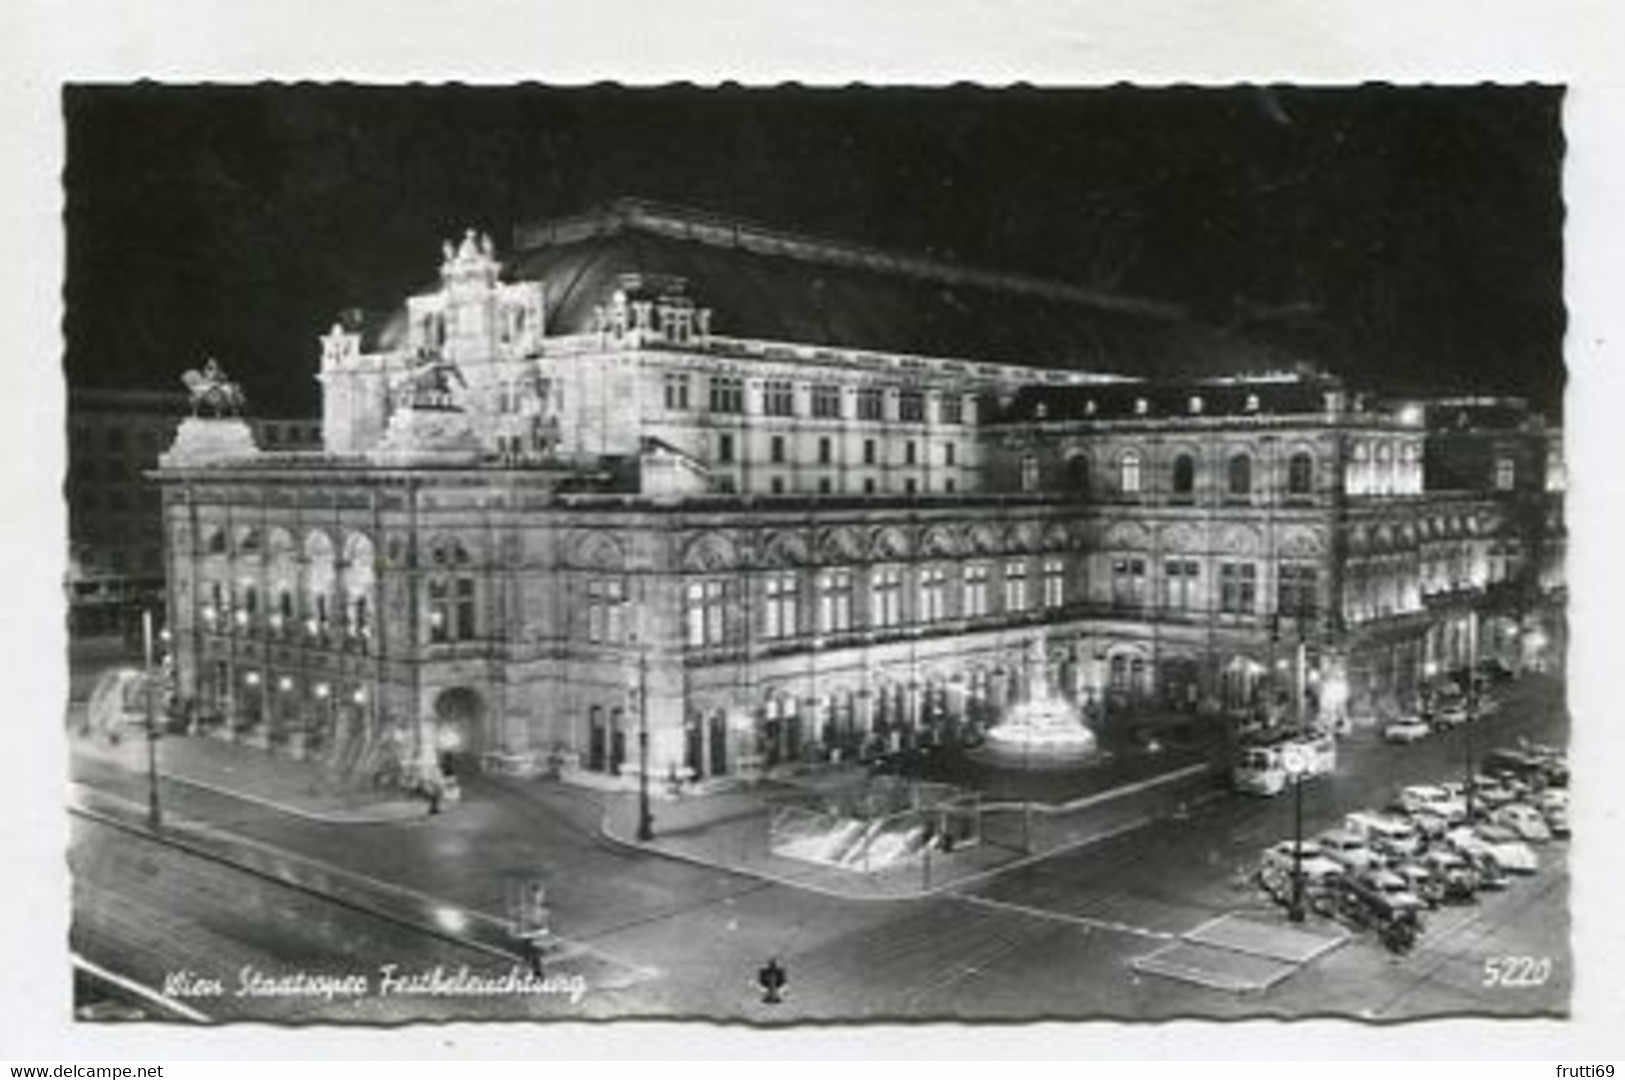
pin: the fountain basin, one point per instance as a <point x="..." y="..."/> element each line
<point x="1045" y="734"/>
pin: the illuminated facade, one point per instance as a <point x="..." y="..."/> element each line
<point x="770" y="501"/>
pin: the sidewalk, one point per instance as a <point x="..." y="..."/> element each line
<point x="731" y="832"/>
<point x="258" y="776"/>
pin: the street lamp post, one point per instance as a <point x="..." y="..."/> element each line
<point x="646" y="825"/>
<point x="1026" y="797"/>
<point x="1292" y="758"/>
<point x="1026" y="768"/>
<point x="1472" y="710"/>
<point x="154" y="812"/>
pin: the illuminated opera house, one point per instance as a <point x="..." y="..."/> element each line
<point x="655" y="489"/>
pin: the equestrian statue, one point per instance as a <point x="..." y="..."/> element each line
<point x="212" y="393"/>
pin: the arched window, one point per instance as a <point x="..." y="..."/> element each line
<point x="1184" y="478"/>
<point x="1129" y="472"/>
<point x="320" y="575"/>
<point x="1241" y="475"/>
<point x="360" y="563"/>
<point x="1300" y="474"/>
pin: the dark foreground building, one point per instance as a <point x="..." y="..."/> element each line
<point x="666" y="491"/>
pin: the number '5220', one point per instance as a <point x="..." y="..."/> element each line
<point x="1513" y="972"/>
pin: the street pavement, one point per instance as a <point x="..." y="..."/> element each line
<point x="1053" y="938"/>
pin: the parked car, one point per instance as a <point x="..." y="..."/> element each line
<point x="1316" y="865"/>
<point x="1422" y="881"/>
<point x="1460" y="878"/>
<point x="1348" y="849"/>
<point x="1427" y="825"/>
<point x="1524" y="820"/>
<point x="1362" y="906"/>
<point x="1433" y="799"/>
<point x="1528" y="765"/>
<point x="1395" y="887"/>
<point x="1407" y="729"/>
<point x="1488" y="792"/>
<point x="1388" y="835"/>
<point x="1499" y="843"/>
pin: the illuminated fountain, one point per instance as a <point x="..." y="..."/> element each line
<point x="1043" y="732"/>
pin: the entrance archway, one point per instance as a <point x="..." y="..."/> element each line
<point x="459" y="714"/>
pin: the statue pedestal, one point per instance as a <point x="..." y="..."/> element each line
<point x="216" y="441"/>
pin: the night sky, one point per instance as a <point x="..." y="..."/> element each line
<point x="1411" y="238"/>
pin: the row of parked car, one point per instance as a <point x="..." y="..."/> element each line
<point x="1435" y="844"/>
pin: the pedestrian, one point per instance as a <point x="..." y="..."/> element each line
<point x="533" y="956"/>
<point x="432" y="791"/>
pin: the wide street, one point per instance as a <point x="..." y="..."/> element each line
<point x="649" y="936"/>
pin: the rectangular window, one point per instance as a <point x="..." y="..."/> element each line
<point x="1179" y="584"/>
<point x="775" y="450"/>
<point x="1015" y="586"/>
<point x="676" y="392"/>
<point x="1029" y="473"/>
<point x="1296" y="589"/>
<point x="776" y="485"/>
<point x="933" y="583"/>
<point x="911" y="453"/>
<point x="1128" y="583"/>
<point x="885" y="589"/>
<point x="826" y="401"/>
<point x="439" y="612"/>
<point x="727" y="394"/>
<point x="868" y="451"/>
<point x="725" y="449"/>
<point x="824" y="486"/>
<point x="826" y="450"/>
<point x="606" y="607"/>
<point x="871" y="404"/>
<point x="778" y="398"/>
<point x="952" y="409"/>
<point x="704" y="611"/>
<point x="911" y="486"/>
<point x="779" y="606"/>
<point x="466" y="610"/>
<point x="949" y="454"/>
<point x="975" y="591"/>
<point x="911" y="406"/>
<point x="834" y="601"/>
<point x="1054" y="583"/>
<point x="868" y="485"/>
<point x="1238" y="588"/>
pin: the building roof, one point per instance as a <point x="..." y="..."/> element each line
<point x="769" y="284"/>
<point x="1271" y="394"/>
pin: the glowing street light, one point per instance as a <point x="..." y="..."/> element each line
<point x="1295" y="760"/>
